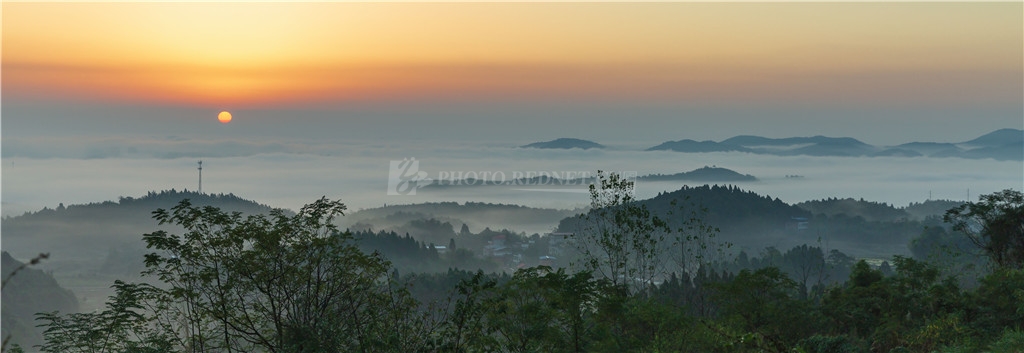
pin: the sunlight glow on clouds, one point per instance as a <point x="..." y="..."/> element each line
<point x="258" y="54"/>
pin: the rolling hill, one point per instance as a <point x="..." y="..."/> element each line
<point x="1003" y="144"/>
<point x="565" y="143"/>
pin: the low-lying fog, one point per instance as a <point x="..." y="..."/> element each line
<point x="293" y="174"/>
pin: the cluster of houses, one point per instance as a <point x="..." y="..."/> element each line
<point x="514" y="255"/>
<point x="559" y="248"/>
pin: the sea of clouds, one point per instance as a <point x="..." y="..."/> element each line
<point x="41" y="172"/>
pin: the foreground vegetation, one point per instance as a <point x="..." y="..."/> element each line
<point x="295" y="283"/>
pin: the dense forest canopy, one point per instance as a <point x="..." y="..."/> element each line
<point x="294" y="282"/>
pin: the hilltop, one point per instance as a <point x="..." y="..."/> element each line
<point x="565" y="143"/>
<point x="755" y="222"/>
<point x="705" y="174"/>
<point x="1003" y="144"/>
<point x="84" y="237"/>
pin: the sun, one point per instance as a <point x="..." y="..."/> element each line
<point x="224" y="117"/>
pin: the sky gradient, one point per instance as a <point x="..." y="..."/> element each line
<point x="688" y="70"/>
<point x="108" y="99"/>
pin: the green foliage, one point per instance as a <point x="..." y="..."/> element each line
<point x="637" y="324"/>
<point x="805" y="264"/>
<point x="863" y="275"/>
<point x="870" y="211"/>
<point x="942" y="331"/>
<point x="541" y="310"/>
<point x="273" y="283"/>
<point x="831" y="344"/>
<point x="294" y="283"/>
<point x="938" y="245"/>
<point x="765" y="302"/>
<point x="465" y="329"/>
<point x="408" y="254"/>
<point x="854" y="231"/>
<point x="995" y="224"/>
<point x="122" y="327"/>
<point x="1012" y="341"/>
<point x="915" y="308"/>
<point x="279" y="282"/>
<point x="998" y="301"/>
<point x="953" y="253"/>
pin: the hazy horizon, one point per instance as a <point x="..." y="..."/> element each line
<point x="358" y="176"/>
<point x="102" y="100"/>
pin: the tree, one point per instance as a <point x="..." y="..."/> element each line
<point x="804" y="262"/>
<point x="271" y="283"/>
<point x="995" y="224"/>
<point x="465" y="329"/>
<point x="542" y="310"/>
<point x="279" y="283"/>
<point x="763" y="303"/>
<point x="693" y="239"/>
<point x="839" y="264"/>
<point x="125" y="325"/>
<point x="522" y="314"/>
<point x="619" y="239"/>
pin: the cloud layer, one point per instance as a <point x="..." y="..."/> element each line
<point x="292" y="174"/>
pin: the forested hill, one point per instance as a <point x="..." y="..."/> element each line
<point x="127" y="207"/>
<point x="705" y="174"/>
<point x="739" y="214"/>
<point x="871" y="211"/>
<point x="28" y="292"/>
<point x="565" y="143"/>
<point x="752" y="221"/>
<point x="80" y="237"/>
<point x="728" y="204"/>
<point x="878" y="211"/>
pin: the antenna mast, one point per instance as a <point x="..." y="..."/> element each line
<point x="200" y="177"/>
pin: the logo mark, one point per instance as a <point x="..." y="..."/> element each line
<point x="405" y="176"/>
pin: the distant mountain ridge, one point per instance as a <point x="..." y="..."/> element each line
<point x="699" y="146"/>
<point x="565" y="143"/>
<point x="1002" y="144"/>
<point x="813" y="146"/>
<point x="999" y="137"/>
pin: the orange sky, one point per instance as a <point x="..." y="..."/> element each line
<point x="259" y="54"/>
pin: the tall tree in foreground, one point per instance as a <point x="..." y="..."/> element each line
<point x="619" y="239"/>
<point x="995" y="224"/>
<point x="274" y="283"/>
<point x="124" y="326"/>
<point x="622" y="241"/>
